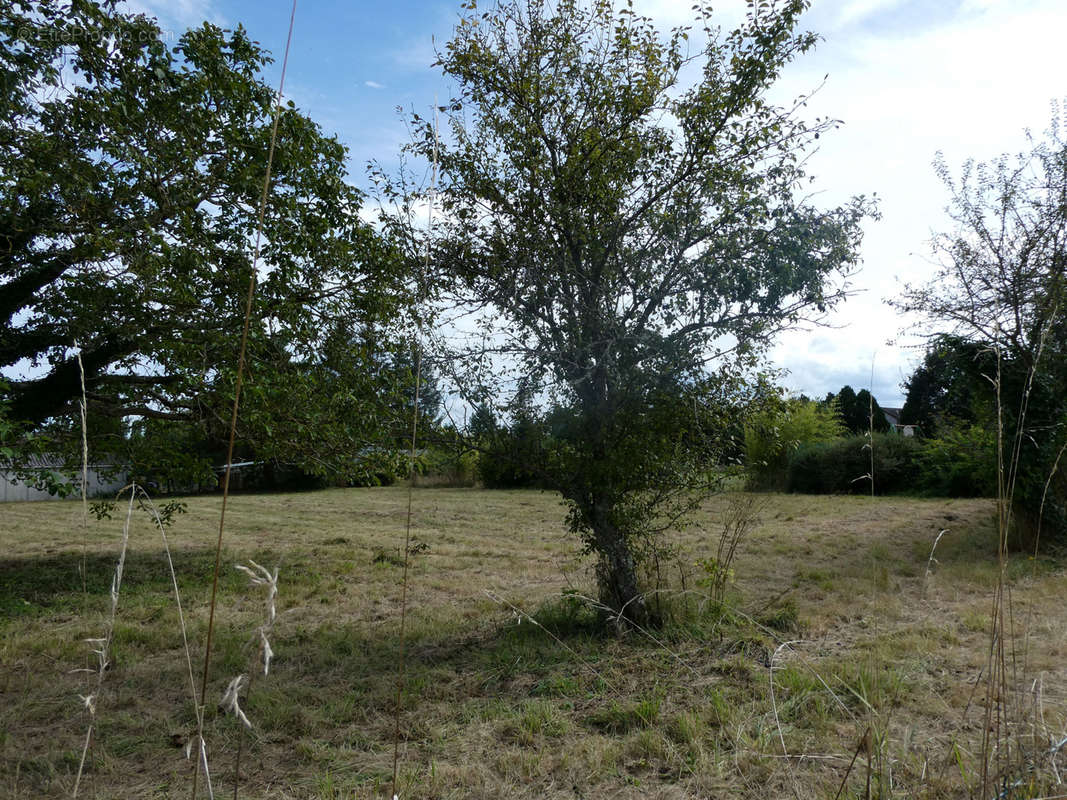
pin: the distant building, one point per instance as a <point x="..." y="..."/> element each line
<point x="892" y="416"/>
<point x="102" y="480"/>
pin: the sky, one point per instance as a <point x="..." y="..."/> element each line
<point x="908" y="78"/>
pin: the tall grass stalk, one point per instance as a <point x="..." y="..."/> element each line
<point x="84" y="472"/>
<point x="157" y="519"/>
<point x="102" y="651"/>
<point x="1002" y="718"/>
<point x="995" y="745"/>
<point x="870" y="422"/>
<point x="863" y="746"/>
<point x="102" y="648"/>
<point x="931" y="561"/>
<point x="741" y="515"/>
<point x="257" y="576"/>
<point x="84" y="521"/>
<point x="777" y="722"/>
<point x="238" y="383"/>
<point x="411" y="471"/>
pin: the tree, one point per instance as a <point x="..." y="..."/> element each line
<point x="130" y="177"/>
<point x="947" y="387"/>
<point x="626" y="229"/>
<point x="859" y="411"/>
<point x="1000" y="290"/>
<point x="431" y="398"/>
<point x="846" y="404"/>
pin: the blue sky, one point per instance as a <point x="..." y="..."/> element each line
<point x="908" y="78"/>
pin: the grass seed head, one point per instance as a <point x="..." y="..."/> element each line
<point x="230" y="703"/>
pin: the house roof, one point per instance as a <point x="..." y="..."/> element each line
<point x="48" y="461"/>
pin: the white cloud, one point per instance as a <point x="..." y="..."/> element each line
<point x="854" y="11"/>
<point x="373" y="84"/>
<point x="675" y="13"/>
<point x="968" y="86"/>
<point x="182" y="14"/>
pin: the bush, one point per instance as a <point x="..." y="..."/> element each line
<point x="843" y="466"/>
<point x="960" y="462"/>
<point x="773" y="435"/>
<point x="509" y="457"/>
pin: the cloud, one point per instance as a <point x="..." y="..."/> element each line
<point x="373" y="84"/>
<point x="180" y="13"/>
<point x="675" y="13"/>
<point x="815" y="375"/>
<point x="968" y="85"/>
<point x="856" y="11"/>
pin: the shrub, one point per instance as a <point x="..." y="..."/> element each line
<point x="843" y="466"/>
<point x="775" y="433"/>
<point x="960" y="462"/>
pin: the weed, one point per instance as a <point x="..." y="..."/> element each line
<point x="686" y="728"/>
<point x="621" y="718"/>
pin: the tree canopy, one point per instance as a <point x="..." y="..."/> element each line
<point x="628" y="213"/>
<point x="859" y="412"/>
<point x="947" y="387"/>
<point x="130" y="176"/>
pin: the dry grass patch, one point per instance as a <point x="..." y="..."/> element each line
<point x="832" y="601"/>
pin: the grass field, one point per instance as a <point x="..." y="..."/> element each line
<point x="838" y="624"/>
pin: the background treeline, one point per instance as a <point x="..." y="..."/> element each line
<point x="826" y="446"/>
<point x="798" y="444"/>
<point x="961" y="407"/>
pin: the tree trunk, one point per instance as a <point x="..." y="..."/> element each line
<point x="616" y="569"/>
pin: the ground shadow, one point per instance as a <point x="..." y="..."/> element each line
<point x="54" y="582"/>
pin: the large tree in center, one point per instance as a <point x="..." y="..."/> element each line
<point x="627" y="226"/>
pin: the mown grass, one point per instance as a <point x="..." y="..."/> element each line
<point x="832" y="603"/>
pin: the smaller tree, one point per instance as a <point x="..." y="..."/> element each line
<point x="628" y="213"/>
<point x="860" y="412"/>
<point x="1000" y="288"/>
